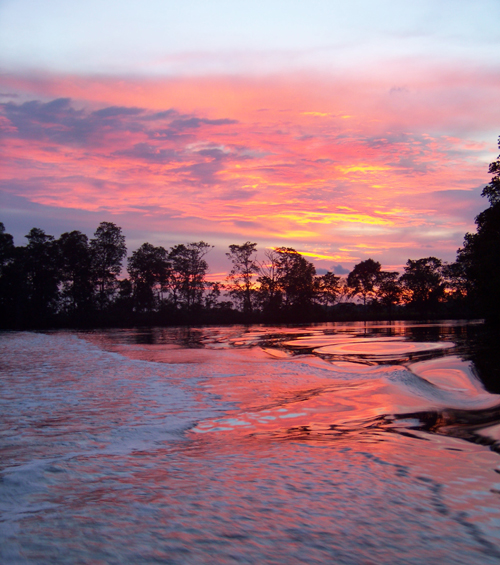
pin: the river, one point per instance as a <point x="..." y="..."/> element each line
<point x="337" y="443"/>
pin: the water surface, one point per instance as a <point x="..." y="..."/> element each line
<point x="352" y="443"/>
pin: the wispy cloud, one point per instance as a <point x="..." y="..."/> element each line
<point x="200" y="154"/>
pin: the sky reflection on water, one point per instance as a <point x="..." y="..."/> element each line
<point x="348" y="444"/>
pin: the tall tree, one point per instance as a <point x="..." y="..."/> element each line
<point x="344" y="291"/>
<point x="287" y="280"/>
<point x="269" y="293"/>
<point x="479" y="258"/>
<point x="10" y="277"/>
<point x="148" y="268"/>
<point x="456" y="282"/>
<point x="296" y="275"/>
<point x="189" y="270"/>
<point x="363" y="278"/>
<point x="6" y="247"/>
<point x="424" y="283"/>
<point x="389" y="290"/>
<point x="212" y="296"/>
<point x="240" y="279"/>
<point x="40" y="260"/>
<point x="480" y="255"/>
<point x="76" y="273"/>
<point x="107" y="251"/>
<point x="328" y="289"/>
<point x="492" y="190"/>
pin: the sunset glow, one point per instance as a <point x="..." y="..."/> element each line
<point x="384" y="160"/>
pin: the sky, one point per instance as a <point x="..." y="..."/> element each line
<point x="343" y="130"/>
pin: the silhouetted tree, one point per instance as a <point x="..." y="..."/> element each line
<point x="107" y="251"/>
<point x="10" y="276"/>
<point x="363" y="278"/>
<point x="423" y="283"/>
<point x="455" y="279"/>
<point x="149" y="269"/>
<point x="6" y="247"/>
<point x="287" y="283"/>
<point x="328" y="289"/>
<point x="123" y="304"/>
<point x="479" y="257"/>
<point x="296" y="277"/>
<point x="269" y="292"/>
<point x="389" y="291"/>
<point x="492" y="189"/>
<point x="40" y="263"/>
<point x="189" y="268"/>
<point x="76" y="272"/>
<point x="240" y="279"/>
<point x="344" y="293"/>
<point x="212" y="295"/>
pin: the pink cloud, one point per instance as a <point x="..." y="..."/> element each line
<point x="331" y="163"/>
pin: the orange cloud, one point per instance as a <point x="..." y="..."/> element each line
<point x="342" y="162"/>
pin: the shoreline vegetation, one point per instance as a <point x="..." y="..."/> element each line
<point x="74" y="282"/>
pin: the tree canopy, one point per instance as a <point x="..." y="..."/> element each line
<point x="363" y="278"/>
<point x="108" y="251"/>
<point x="244" y="269"/>
<point x="492" y="190"/>
<point x="189" y="269"/>
<point x="479" y="258"/>
<point x="423" y="283"/>
<point x="149" y="269"/>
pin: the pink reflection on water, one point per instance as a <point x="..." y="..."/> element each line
<point x="291" y="458"/>
<point x="382" y="347"/>
<point x="450" y="373"/>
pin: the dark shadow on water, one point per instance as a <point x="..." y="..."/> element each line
<point x="475" y="342"/>
<point x="461" y="424"/>
<point x="183" y="336"/>
<point x="481" y="345"/>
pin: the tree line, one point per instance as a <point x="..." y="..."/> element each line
<point x="75" y="281"/>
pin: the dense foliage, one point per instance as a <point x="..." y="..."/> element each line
<point x="78" y="282"/>
<point x="479" y="258"/>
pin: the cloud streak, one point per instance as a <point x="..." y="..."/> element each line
<point x="330" y="165"/>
